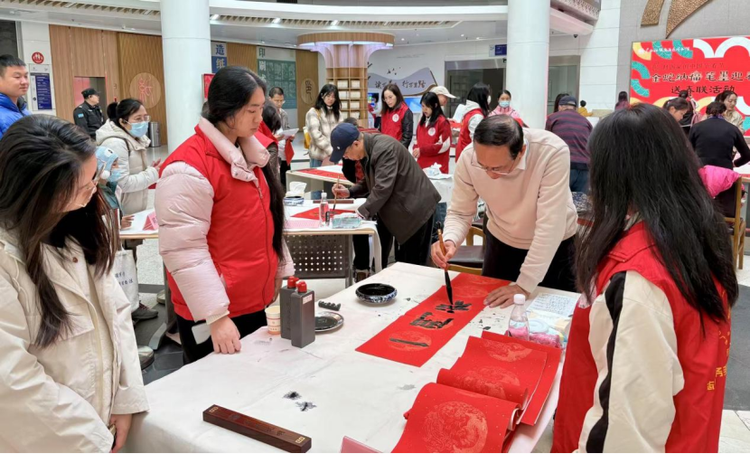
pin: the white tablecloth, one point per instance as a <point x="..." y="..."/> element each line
<point x="355" y="395"/>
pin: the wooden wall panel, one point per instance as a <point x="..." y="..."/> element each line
<point x="243" y="55"/>
<point x="142" y="74"/>
<point x="82" y="52"/>
<point x="307" y="83"/>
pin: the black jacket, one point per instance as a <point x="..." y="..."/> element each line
<point x="397" y="189"/>
<point x="714" y="140"/>
<point x="89" y="118"/>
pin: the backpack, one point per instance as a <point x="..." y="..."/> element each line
<point x="308" y="138"/>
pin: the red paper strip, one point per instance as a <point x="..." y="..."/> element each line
<point x="548" y="374"/>
<point x="446" y="419"/>
<point x="417" y="335"/>
<point x="485" y="380"/>
<point x="323" y="173"/>
<point x="315" y="213"/>
<point x="151" y="222"/>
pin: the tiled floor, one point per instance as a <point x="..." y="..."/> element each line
<point x="735" y="424"/>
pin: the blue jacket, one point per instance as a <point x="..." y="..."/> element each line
<point x="10" y="113"/>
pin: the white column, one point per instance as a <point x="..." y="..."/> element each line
<point x="528" y="58"/>
<point x="186" y="43"/>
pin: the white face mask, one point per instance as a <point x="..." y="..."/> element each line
<point x="489" y="99"/>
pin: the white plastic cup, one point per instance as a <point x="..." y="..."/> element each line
<point x="273" y="319"/>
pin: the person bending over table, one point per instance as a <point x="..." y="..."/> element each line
<point x="221" y="218"/>
<point x="397" y="191"/>
<point x="522" y="175"/>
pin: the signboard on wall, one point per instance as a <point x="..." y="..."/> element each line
<point x="704" y="67"/>
<point x="415" y="84"/>
<point x="218" y="56"/>
<point x="280" y="73"/>
<point x="40" y="87"/>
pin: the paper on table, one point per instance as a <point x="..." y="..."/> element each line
<point x="445" y="419"/>
<point x="315" y="213"/>
<point x="143" y="224"/>
<point x="302" y="224"/>
<point x="497" y="385"/>
<point x="289" y="133"/>
<point x="557" y="304"/>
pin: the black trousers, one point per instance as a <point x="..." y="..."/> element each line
<point x="192" y="351"/>
<point x="361" y="252"/>
<point x="415" y="250"/>
<point x="283" y="168"/>
<point x="504" y="262"/>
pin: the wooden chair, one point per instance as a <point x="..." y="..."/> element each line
<point x="470" y="258"/>
<point x="737" y="227"/>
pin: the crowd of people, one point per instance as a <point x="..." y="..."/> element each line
<point x="655" y="266"/>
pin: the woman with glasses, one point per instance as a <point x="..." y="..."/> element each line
<point x="70" y="378"/>
<point x="523" y="176"/>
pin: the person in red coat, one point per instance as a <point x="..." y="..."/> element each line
<point x="433" y="135"/>
<point x="646" y="365"/>
<point x="397" y="120"/>
<point x="477" y="109"/>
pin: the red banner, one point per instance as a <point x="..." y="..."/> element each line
<point x="703" y="67"/>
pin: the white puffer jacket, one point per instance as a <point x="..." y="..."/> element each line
<point x="137" y="174"/>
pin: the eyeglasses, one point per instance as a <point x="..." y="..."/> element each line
<point x="92" y="185"/>
<point x="144" y="119"/>
<point x="502" y="170"/>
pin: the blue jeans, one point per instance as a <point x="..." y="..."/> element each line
<point x="315" y="195"/>
<point x="579" y="181"/>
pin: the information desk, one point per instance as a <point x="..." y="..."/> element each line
<point x="341" y="392"/>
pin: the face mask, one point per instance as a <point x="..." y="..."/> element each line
<point x="489" y="99"/>
<point x="139" y="129"/>
<point x="114" y="176"/>
<point x="105" y="175"/>
<point x="504" y="104"/>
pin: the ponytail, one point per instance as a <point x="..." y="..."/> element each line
<point x="122" y="110"/>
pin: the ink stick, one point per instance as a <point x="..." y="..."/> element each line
<point x="302" y="310"/>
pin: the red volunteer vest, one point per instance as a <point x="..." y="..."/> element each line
<point x="464" y="139"/>
<point x="390" y="124"/>
<point x="240" y="239"/>
<point x="428" y="137"/>
<point x="703" y="357"/>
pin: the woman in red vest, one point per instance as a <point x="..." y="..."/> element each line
<point x="433" y="135"/>
<point x="646" y="365"/>
<point x="397" y="120"/>
<point x="477" y="109"/>
<point x="221" y="218"/>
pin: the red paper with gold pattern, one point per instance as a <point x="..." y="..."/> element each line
<point x="539" y="397"/>
<point x="315" y="213"/>
<point x="417" y="335"/>
<point x="446" y="419"/>
<point x="323" y="173"/>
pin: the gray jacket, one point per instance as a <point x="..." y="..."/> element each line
<point x="397" y="189"/>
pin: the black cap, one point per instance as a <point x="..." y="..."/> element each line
<point x="89" y="92"/>
<point x="342" y="137"/>
<point x="569" y="101"/>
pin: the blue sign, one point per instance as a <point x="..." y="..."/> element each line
<point x="43" y="91"/>
<point x="217" y="63"/>
<point x="501" y="50"/>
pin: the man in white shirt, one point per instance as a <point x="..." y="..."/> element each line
<point x="523" y="176"/>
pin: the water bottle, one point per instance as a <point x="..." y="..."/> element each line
<point x="323" y="213"/>
<point x="519" y="322"/>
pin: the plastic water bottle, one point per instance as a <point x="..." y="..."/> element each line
<point x="519" y="322"/>
<point x="323" y="214"/>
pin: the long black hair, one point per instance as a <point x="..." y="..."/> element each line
<point x="721" y="97"/>
<point x="41" y="160"/>
<point x="320" y="104"/>
<point x="393" y="88"/>
<point x="480" y="94"/>
<point x="627" y="148"/>
<point x="231" y="90"/>
<point x="271" y="116"/>
<point x="432" y="101"/>
<point x="122" y="110"/>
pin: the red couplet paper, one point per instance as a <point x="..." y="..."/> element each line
<point x="417" y="335"/>
<point x="446" y="419"/>
<point x="315" y="213"/>
<point x="323" y="173"/>
<point x="493" y="382"/>
<point x="539" y="396"/>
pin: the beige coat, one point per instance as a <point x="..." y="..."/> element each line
<point x="137" y="174"/>
<point x="319" y="125"/>
<point x="49" y="396"/>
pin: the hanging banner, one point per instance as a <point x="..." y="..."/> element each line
<point x="704" y="67"/>
<point x="415" y="84"/>
<point x="218" y="56"/>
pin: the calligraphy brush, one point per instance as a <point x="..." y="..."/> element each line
<point x="448" y="286"/>
<point x="335" y="196"/>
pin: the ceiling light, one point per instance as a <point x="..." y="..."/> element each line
<point x="334" y="23"/>
<point x="262" y="41"/>
<point x="478" y="38"/>
<point x="403" y="39"/>
<point x="462" y="35"/>
<point x="214" y="16"/>
<point x="386" y="23"/>
<point x="277" y="20"/>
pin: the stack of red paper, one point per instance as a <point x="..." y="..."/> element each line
<point x="498" y="383"/>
